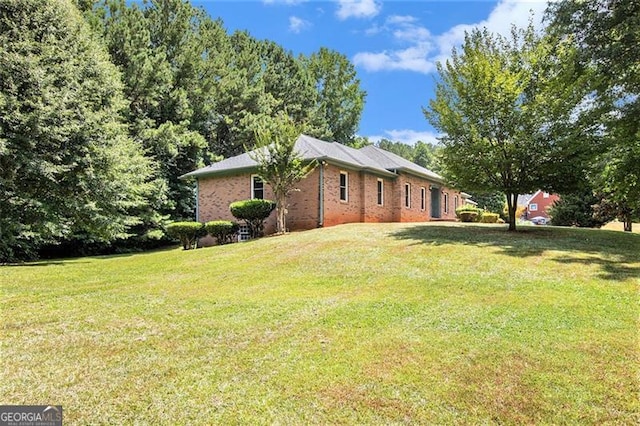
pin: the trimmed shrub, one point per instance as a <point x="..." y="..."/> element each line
<point x="468" y="216"/>
<point x="254" y="213"/>
<point x="224" y="231"/>
<point x="187" y="232"/>
<point x="464" y="213"/>
<point x="489" y="217"/>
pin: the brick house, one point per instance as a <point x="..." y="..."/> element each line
<point x="539" y="203"/>
<point x="348" y="185"/>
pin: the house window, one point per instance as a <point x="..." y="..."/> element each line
<point x="257" y="187"/>
<point x="446" y="202"/>
<point x="380" y="192"/>
<point x="423" y="199"/>
<point x="455" y="203"/>
<point x="344" y="186"/>
<point x="407" y="195"/>
<point x="533" y="207"/>
<point x="243" y="233"/>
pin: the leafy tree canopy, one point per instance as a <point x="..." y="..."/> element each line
<point x="67" y="165"/>
<point x="606" y="37"/>
<point x="280" y="165"/>
<point x="501" y="104"/>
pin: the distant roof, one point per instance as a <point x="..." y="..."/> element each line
<point x="369" y="158"/>
<point x="524" y="199"/>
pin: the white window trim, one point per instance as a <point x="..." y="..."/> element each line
<point x="456" y="203"/>
<point x="533" y="207"/>
<point x="446" y="202"/>
<point x="423" y="198"/>
<point x="545" y="195"/>
<point x="253" y="189"/>
<point x="407" y="195"/>
<point x="346" y="187"/>
<point x="380" y="200"/>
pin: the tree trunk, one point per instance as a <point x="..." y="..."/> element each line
<point x="281" y="212"/>
<point x="512" y="205"/>
<point x="627" y="223"/>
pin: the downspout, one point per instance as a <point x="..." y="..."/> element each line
<point x="197" y="200"/>
<point x="321" y="196"/>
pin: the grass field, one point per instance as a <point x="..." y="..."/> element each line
<point x="367" y="324"/>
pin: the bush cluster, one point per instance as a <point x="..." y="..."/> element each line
<point x="224" y="231"/>
<point x="489" y="217"/>
<point x="187" y="232"/>
<point x="469" y="213"/>
<point x="254" y="213"/>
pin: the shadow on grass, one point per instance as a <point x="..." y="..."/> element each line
<point x="34" y="263"/>
<point x="63" y="261"/>
<point x="612" y="251"/>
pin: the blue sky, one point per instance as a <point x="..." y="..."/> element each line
<point x="393" y="44"/>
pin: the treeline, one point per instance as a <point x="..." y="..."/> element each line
<point x="424" y="154"/>
<point x="103" y="105"/>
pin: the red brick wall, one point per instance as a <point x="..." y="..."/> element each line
<point x="415" y="212"/>
<point x="451" y="213"/>
<point x="371" y="211"/>
<point x="336" y="211"/>
<point x="216" y="193"/>
<point x="304" y="204"/>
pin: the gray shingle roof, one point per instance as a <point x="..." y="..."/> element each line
<point x="391" y="161"/>
<point x="369" y="158"/>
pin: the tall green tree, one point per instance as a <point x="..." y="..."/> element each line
<point x="501" y="104"/>
<point x="340" y="98"/>
<point x="280" y="165"/>
<point x="67" y="166"/>
<point x="240" y="97"/>
<point x="162" y="48"/>
<point x="606" y="36"/>
<point x="577" y="209"/>
<point x="422" y="153"/>
<point x="490" y="201"/>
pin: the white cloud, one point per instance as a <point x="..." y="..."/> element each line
<point x="358" y="8"/>
<point x="406" y="136"/>
<point x="425" y="49"/>
<point x="410" y="59"/>
<point x="401" y="19"/>
<point x="500" y="20"/>
<point x="296" y="25"/>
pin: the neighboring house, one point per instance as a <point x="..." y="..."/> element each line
<point x="538" y="204"/>
<point x="348" y="185"/>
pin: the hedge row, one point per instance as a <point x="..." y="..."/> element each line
<point x="470" y="213"/>
<point x="188" y="233"/>
<point x="253" y="212"/>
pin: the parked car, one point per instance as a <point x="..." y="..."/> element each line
<point x="539" y="220"/>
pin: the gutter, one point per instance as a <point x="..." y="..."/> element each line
<point x="321" y="196"/>
<point x="227" y="172"/>
<point x="197" y="200"/>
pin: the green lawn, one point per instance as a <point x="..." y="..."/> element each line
<point x="389" y="323"/>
